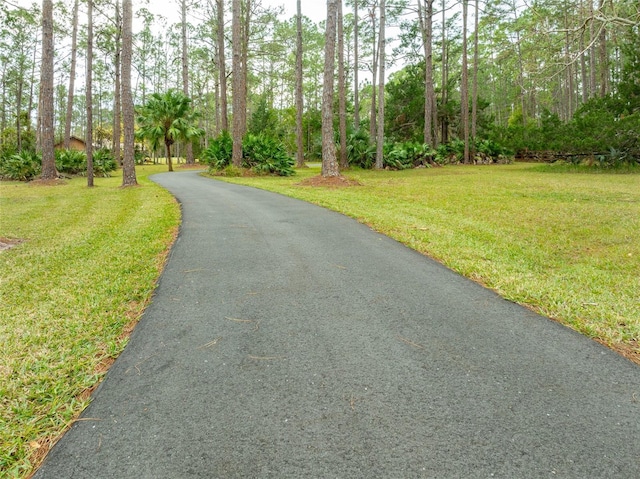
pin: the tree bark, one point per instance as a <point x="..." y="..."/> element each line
<point x="445" y="74"/>
<point x="382" y="42"/>
<point x="604" y="59"/>
<point x="238" y="88"/>
<point x="374" y="72"/>
<point x="224" y="114"/>
<point x="464" y="87"/>
<point x="592" y="52"/>
<point x="46" y="94"/>
<point x="474" y="87"/>
<point x="425" y="14"/>
<point x="117" y="91"/>
<point x="356" y="66"/>
<point x="72" y="76"/>
<point x="342" y="93"/>
<point x="329" y="163"/>
<point x="299" y="82"/>
<point x="128" y="159"/>
<point x="89" y="94"/>
<point x="185" y="76"/>
<point x="583" y="61"/>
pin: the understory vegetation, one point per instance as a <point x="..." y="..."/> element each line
<point x="262" y="154"/>
<point x="84" y="269"/>
<point x="562" y="244"/>
<point x="26" y="165"/>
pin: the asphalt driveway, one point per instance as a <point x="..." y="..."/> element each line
<point x="288" y="341"/>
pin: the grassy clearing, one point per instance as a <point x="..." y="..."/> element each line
<point x="563" y="244"/>
<point x="69" y="294"/>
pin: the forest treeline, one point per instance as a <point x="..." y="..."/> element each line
<point x="469" y="81"/>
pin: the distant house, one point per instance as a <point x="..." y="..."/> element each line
<point x="74" y="144"/>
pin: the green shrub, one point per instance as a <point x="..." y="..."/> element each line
<point x="71" y="162"/>
<point x="360" y="151"/>
<point x="266" y="155"/>
<point x="397" y="156"/>
<point x="103" y="162"/>
<point x="262" y="154"/>
<point x="450" y="153"/>
<point x="20" y="166"/>
<point x="218" y="154"/>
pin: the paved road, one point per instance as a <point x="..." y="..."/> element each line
<point x="287" y="341"/>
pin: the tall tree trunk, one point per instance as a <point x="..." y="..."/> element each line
<point x="356" y="67"/>
<point x="329" y="163"/>
<point x="382" y="42"/>
<point x="425" y="15"/>
<point x="464" y="87"/>
<point x="245" y="62"/>
<point x="3" y="112"/>
<point x="445" y="73"/>
<point x="592" y="52"/>
<point x="72" y="77"/>
<point x="567" y="101"/>
<point x="474" y="91"/>
<point x="128" y="158"/>
<point x="238" y="88"/>
<point x="604" y="58"/>
<point x="373" y="129"/>
<point x="117" y="91"/>
<point x="89" y="93"/>
<point x="46" y="94"/>
<point x="299" y="82"/>
<point x="520" y="67"/>
<point x="19" y="99"/>
<point x="583" y="61"/>
<point x="185" y="77"/>
<point x="33" y="81"/>
<point x="224" y="114"/>
<point x="342" y="93"/>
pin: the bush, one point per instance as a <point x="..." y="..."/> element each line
<point x="218" y="154"/>
<point x="262" y="154"/>
<point x="360" y="151"/>
<point x="450" y="153"/>
<point x="266" y="155"/>
<point x="103" y="162"/>
<point x="20" y="166"/>
<point x="71" y="162"/>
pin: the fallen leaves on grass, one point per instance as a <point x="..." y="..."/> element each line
<point x="329" y="182"/>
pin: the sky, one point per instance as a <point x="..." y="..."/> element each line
<point x="316" y="10"/>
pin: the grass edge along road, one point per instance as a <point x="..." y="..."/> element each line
<point x="563" y="244"/>
<point x="70" y="292"/>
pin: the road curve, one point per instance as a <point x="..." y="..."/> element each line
<point x="288" y="341"/>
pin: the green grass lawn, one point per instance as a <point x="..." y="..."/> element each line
<point x="565" y="245"/>
<point x="69" y="293"/>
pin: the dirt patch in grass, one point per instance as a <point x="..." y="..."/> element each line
<point x="329" y="182"/>
<point x="54" y="182"/>
<point x="195" y="166"/>
<point x="6" y="243"/>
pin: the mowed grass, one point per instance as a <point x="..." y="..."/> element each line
<point x="69" y="294"/>
<point x="565" y="245"/>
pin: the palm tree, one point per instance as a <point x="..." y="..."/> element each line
<point x="167" y="117"/>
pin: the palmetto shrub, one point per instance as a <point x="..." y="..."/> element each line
<point x="262" y="154"/>
<point x="71" y="162"/>
<point x="266" y="155"/>
<point x="218" y="153"/>
<point x="103" y="162"/>
<point x="22" y="166"/>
